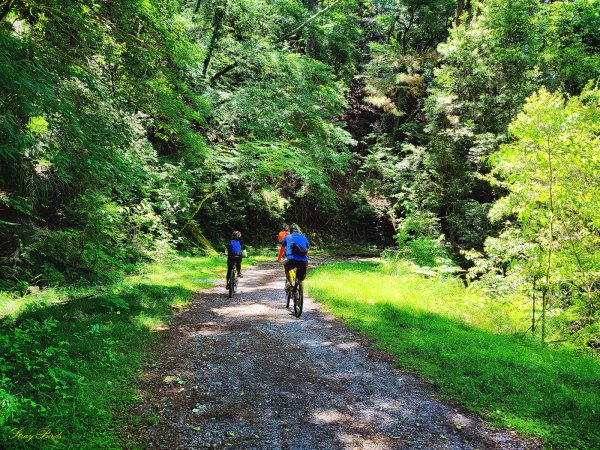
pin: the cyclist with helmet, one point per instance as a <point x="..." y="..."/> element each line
<point x="295" y="246"/>
<point x="234" y="254"/>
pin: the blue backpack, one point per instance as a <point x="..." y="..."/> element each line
<point x="234" y="248"/>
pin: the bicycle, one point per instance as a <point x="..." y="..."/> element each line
<point x="233" y="281"/>
<point x="295" y="291"/>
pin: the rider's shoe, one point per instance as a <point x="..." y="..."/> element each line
<point x="227" y="287"/>
<point x="240" y="275"/>
<point x="288" y="286"/>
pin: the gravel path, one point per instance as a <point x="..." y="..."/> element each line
<point x="244" y="373"/>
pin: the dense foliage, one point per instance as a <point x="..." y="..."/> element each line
<point x="120" y="119"/>
<point x="70" y="367"/>
<point x="464" y="135"/>
<point x="130" y="129"/>
<point x="550" y="242"/>
<point x="454" y="166"/>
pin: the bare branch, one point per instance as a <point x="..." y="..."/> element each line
<point x="310" y="19"/>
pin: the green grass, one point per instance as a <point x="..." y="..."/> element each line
<point x="69" y="358"/>
<point x="434" y="326"/>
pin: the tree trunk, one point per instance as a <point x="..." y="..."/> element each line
<point x="201" y="239"/>
<point x="463" y="6"/>
<point x="533" y="307"/>
<point x="406" y="29"/>
<point x="311" y="40"/>
<point x="216" y="35"/>
<point x="545" y="293"/>
<point x="198" y="208"/>
<point x="6" y="8"/>
<point x="547" y="287"/>
<point x="469" y="8"/>
<point x="460" y="7"/>
<point x="478" y="10"/>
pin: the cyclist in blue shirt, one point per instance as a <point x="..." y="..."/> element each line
<point x="234" y="255"/>
<point x="295" y="246"/>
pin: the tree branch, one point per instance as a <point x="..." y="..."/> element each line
<point x="6" y="8"/>
<point x="216" y="35"/>
<point x="210" y="194"/>
<point x="234" y="64"/>
<point x="223" y="71"/>
<point x="310" y="19"/>
<point x="197" y="7"/>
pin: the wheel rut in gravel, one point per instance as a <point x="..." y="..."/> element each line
<point x="244" y="373"/>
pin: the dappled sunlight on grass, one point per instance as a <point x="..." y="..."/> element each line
<point x="12" y="305"/>
<point x="441" y="330"/>
<point x="441" y="294"/>
<point x="75" y="352"/>
<point x="151" y="323"/>
<point x="183" y="273"/>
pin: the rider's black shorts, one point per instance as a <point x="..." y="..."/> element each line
<point x="300" y="266"/>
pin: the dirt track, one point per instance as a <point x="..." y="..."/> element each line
<point x="244" y="373"/>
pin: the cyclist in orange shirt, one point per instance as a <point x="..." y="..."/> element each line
<point x="283" y="233"/>
<point x="281" y="237"/>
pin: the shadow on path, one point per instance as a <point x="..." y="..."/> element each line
<point x="244" y="373"/>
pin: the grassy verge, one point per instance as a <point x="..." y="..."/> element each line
<point x="359" y="250"/>
<point x="433" y="327"/>
<point x="69" y="358"/>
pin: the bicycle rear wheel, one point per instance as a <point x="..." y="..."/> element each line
<point x="298" y="299"/>
<point x="232" y="282"/>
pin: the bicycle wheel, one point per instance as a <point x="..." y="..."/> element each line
<point x="298" y="299"/>
<point x="232" y="281"/>
<point x="290" y="290"/>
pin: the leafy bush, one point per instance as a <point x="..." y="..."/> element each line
<point x="549" y="247"/>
